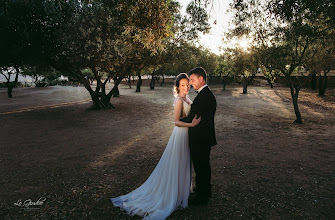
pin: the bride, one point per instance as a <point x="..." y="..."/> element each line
<point x="168" y="186"/>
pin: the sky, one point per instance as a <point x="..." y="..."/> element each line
<point x="218" y="12"/>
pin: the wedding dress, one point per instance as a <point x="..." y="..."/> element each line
<point x="168" y="186"/>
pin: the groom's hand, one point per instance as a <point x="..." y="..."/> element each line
<point x="195" y="121"/>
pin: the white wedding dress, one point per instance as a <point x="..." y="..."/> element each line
<point x="168" y="187"/>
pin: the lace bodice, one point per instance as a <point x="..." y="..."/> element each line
<point x="187" y="107"/>
<point x="186" y="104"/>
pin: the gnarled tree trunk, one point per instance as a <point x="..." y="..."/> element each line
<point x="101" y="99"/>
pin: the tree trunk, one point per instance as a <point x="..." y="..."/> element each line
<point x="152" y="82"/>
<point x="129" y="82"/>
<point x="323" y="84"/>
<point x="106" y="98"/>
<point x="11" y="85"/>
<point x="139" y="83"/>
<point x="107" y="102"/>
<point x="321" y="91"/>
<point x="100" y="99"/>
<point x="97" y="104"/>
<point x="157" y="79"/>
<point x="252" y="77"/>
<point x="162" y="80"/>
<point x="224" y="82"/>
<point x="35" y="78"/>
<point x="270" y="83"/>
<point x="295" y="95"/>
<point x="115" y="91"/>
<point x="294" y="92"/>
<point x="313" y="81"/>
<point x="101" y="102"/>
<point x="9" y="90"/>
<point x="94" y="94"/>
<point x="245" y="85"/>
<point x="245" y="88"/>
<point x="326" y="81"/>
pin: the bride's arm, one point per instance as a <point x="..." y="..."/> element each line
<point x="177" y="110"/>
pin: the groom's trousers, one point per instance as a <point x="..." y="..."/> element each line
<point x="200" y="158"/>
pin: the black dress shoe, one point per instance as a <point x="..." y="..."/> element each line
<point x="198" y="201"/>
<point x="192" y="196"/>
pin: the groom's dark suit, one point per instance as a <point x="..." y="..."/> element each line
<point x="201" y="139"/>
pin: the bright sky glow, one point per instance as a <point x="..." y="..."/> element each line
<point x="219" y="20"/>
<point x="244" y="44"/>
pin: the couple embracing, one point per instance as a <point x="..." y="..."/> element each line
<point x="169" y="185"/>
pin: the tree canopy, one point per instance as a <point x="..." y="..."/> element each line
<point x="112" y="38"/>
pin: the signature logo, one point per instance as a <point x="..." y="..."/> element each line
<point x="30" y="204"/>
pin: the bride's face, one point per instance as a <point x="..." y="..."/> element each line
<point x="184" y="87"/>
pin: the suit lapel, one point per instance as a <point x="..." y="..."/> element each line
<point x="199" y="96"/>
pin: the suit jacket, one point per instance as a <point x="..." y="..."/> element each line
<point x="203" y="134"/>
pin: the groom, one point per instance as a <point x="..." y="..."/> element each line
<point x="201" y="137"/>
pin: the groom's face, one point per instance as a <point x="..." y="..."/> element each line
<point x="196" y="81"/>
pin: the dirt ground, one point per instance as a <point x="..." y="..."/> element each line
<point x="73" y="160"/>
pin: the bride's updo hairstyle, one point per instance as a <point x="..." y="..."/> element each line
<point x="176" y="84"/>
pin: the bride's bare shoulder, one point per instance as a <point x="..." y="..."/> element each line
<point x="178" y="100"/>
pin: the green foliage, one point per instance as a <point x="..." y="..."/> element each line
<point x="225" y="67"/>
<point x="180" y="53"/>
<point x="182" y="58"/>
<point x="187" y="27"/>
<point x="241" y="62"/>
<point x="147" y="22"/>
<point x="21" y="42"/>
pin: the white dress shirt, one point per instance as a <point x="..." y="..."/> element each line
<point x="199" y="90"/>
